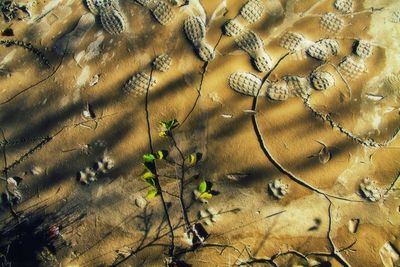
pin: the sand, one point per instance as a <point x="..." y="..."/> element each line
<point x="323" y="218"/>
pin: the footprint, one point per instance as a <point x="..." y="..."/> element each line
<point x="69" y="43"/>
<point x="209" y="215"/>
<point x="195" y="30"/>
<point x="254" y="46"/>
<point x="139" y="84"/>
<point x="161" y="11"/>
<point x="249" y="14"/>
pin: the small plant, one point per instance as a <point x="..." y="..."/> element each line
<point x="205" y="190"/>
<point x="154" y="161"/>
<point x="167" y="127"/>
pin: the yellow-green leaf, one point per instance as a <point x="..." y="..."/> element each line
<point x="152" y="193"/>
<point x="150" y="166"/>
<point x="161" y="154"/>
<point x="148" y="175"/>
<point x="206" y="195"/>
<point x="192" y="159"/>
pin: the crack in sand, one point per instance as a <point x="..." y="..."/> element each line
<point x="366" y="142"/>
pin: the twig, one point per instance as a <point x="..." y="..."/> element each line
<point x="181" y="185"/>
<point x="33" y="150"/>
<point x="199" y="89"/>
<point x="27" y="46"/>
<point x="35" y="84"/>
<point x="365" y="142"/>
<point x="157" y="182"/>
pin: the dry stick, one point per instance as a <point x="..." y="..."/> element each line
<point x="35" y="84"/>
<point x="157" y="182"/>
<point x="253" y="260"/>
<point x="28" y="154"/>
<point x="20" y="141"/>
<point x="271" y="260"/>
<point x="33" y="150"/>
<point x="335" y="252"/>
<point x="27" y="46"/>
<point x="365" y="142"/>
<point x="272" y="159"/>
<point x="203" y="74"/>
<point x="149" y="244"/>
<point x="343" y="79"/>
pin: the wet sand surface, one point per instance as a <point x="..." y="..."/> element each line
<point x="320" y="149"/>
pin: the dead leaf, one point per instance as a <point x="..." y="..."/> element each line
<point x="324" y="155"/>
<point x="236" y="176"/>
<point x="374" y="97"/>
<point x="227" y="116"/>
<point x="88" y="112"/>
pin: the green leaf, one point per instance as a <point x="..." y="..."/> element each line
<point x="206" y="195"/>
<point x="152" y="193"/>
<point x="149" y="157"/>
<point x="169" y="125"/>
<point x="172" y="124"/>
<point x="203" y="186"/>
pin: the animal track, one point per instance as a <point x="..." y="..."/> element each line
<point x="209" y="215"/>
<point x="89" y="175"/>
<point x="369" y="190"/>
<point x="278" y="189"/>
